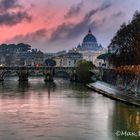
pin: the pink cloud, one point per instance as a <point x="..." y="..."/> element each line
<point x="50" y="16"/>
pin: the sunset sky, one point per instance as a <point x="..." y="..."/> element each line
<point x="54" y="25"/>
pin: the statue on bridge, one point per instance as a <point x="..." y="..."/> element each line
<point x="23" y="75"/>
<point x="48" y="76"/>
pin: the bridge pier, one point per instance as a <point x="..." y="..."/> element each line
<point x="48" y="77"/>
<point x="1" y="78"/>
<point x="23" y="75"/>
<point x="74" y="77"/>
<point x="2" y="72"/>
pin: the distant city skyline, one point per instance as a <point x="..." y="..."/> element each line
<point x="52" y="26"/>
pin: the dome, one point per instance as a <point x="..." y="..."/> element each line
<point x="89" y="37"/>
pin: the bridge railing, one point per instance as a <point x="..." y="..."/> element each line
<point x="34" y="68"/>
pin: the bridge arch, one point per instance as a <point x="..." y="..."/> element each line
<point x="7" y="73"/>
<point x="4" y="73"/>
<point x="62" y="74"/>
<point x="24" y="72"/>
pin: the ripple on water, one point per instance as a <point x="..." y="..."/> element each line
<point x="62" y="111"/>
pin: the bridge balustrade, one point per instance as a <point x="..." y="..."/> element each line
<point x="24" y="71"/>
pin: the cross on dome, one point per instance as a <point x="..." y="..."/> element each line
<point x="89" y="31"/>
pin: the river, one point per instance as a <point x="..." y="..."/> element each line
<point x="62" y="111"/>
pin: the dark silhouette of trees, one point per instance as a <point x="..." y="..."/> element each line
<point x="24" y="47"/>
<point x="126" y="43"/>
<point x="83" y="71"/>
<point x="12" y="48"/>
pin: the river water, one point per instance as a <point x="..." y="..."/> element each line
<point x="62" y="111"/>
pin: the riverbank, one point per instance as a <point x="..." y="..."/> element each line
<point x="115" y="93"/>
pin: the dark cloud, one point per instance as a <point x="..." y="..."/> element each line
<point x="13" y="18"/>
<point x="69" y="30"/>
<point x="36" y="36"/>
<point x="118" y="14"/>
<point x="74" y="10"/>
<point x="12" y="13"/>
<point x="8" y="4"/>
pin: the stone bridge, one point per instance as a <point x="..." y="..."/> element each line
<point x="49" y="72"/>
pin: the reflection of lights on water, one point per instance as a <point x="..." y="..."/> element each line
<point x="12" y="111"/>
<point x="24" y="105"/>
<point x="138" y="120"/>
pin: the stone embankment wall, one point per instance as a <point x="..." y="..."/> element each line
<point x="128" y="81"/>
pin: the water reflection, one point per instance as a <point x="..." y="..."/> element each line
<point x="23" y="86"/>
<point x="61" y="110"/>
<point x="15" y="88"/>
<point x="50" y="86"/>
<point x="126" y="118"/>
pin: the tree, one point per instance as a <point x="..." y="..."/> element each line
<point x="24" y="47"/>
<point x="83" y="71"/>
<point x="50" y="62"/>
<point x="12" y="48"/>
<point x="126" y="43"/>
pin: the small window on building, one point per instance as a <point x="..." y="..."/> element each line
<point x="69" y="63"/>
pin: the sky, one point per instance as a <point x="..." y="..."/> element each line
<point x="55" y="25"/>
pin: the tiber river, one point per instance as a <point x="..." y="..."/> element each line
<point x="62" y="111"/>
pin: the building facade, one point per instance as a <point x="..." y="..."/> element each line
<point x="20" y="55"/>
<point x="90" y="49"/>
<point x="69" y="59"/>
<point x="89" y="43"/>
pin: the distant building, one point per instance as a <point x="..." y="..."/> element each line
<point x="90" y="49"/>
<point x="49" y="55"/>
<point x="2" y="60"/>
<point x="89" y="43"/>
<point x="20" y="55"/>
<point x="58" y="60"/>
<point x="69" y="59"/>
<point x="38" y="58"/>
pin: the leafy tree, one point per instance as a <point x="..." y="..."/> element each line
<point x="50" y="62"/>
<point x="11" y="48"/>
<point x="24" y="47"/>
<point x="83" y="71"/>
<point x="126" y="43"/>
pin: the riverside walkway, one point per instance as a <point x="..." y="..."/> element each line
<point x="115" y="93"/>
